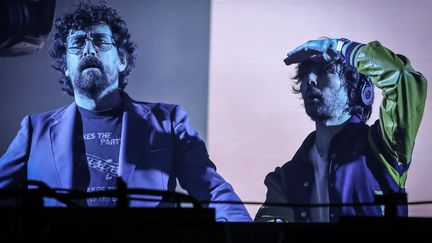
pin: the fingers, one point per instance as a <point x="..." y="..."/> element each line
<point x="302" y="53"/>
<point x="301" y="56"/>
<point x="311" y="49"/>
<point x="304" y="47"/>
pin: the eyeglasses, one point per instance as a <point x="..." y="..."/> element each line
<point x="101" y="42"/>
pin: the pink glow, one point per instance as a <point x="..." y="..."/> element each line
<point x="256" y="123"/>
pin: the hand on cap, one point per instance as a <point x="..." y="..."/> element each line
<point x="322" y="48"/>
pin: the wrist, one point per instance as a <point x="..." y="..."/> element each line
<point x="342" y="46"/>
<point x="350" y="53"/>
<point x="345" y="48"/>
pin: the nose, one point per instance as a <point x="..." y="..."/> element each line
<point x="312" y="79"/>
<point x="89" y="49"/>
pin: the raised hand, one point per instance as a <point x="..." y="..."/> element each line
<point x="322" y="48"/>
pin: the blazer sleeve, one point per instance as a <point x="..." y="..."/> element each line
<point x="13" y="163"/>
<point x="197" y="173"/>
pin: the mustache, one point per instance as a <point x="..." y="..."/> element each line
<point x="313" y="93"/>
<point x="90" y="61"/>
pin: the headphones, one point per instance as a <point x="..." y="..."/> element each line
<point x="367" y="92"/>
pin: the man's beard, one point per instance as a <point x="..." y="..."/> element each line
<point x="92" y="79"/>
<point x="318" y="114"/>
<point x="91" y="83"/>
<point x="330" y="106"/>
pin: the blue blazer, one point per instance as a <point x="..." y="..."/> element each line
<point x="158" y="145"/>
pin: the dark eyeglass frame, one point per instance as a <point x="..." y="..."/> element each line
<point x="78" y="49"/>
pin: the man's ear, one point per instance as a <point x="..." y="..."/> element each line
<point x="65" y="68"/>
<point x="123" y="61"/>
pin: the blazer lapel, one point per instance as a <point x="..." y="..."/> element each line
<point x="134" y="133"/>
<point x="63" y="145"/>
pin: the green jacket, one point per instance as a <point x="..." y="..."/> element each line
<point x="404" y="95"/>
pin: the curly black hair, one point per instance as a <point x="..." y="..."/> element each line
<point x="353" y="83"/>
<point x="85" y="15"/>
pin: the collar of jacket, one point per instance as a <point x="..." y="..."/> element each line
<point x="302" y="153"/>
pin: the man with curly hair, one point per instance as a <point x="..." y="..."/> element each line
<point x="105" y="134"/>
<point x="346" y="161"/>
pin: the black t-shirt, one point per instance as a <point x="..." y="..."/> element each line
<point x="98" y="153"/>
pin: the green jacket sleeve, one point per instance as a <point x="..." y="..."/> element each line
<point x="404" y="94"/>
